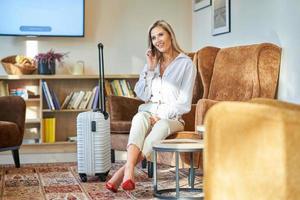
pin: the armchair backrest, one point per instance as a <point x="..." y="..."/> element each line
<point x="13" y="109"/>
<point x="239" y="73"/>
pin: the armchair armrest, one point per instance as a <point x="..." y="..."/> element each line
<point x="13" y="109"/>
<point x="275" y="103"/>
<point x="202" y="107"/>
<point x="122" y="108"/>
<point x="189" y="119"/>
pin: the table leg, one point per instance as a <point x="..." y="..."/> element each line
<point x="177" y="174"/>
<point x="155" y="172"/>
<point x="192" y="171"/>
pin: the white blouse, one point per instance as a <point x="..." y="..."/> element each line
<point x="169" y="96"/>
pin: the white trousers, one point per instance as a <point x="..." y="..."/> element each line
<point x="143" y="135"/>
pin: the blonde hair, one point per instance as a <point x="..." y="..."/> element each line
<point x="167" y="27"/>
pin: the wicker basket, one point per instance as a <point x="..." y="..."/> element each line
<point x="10" y="66"/>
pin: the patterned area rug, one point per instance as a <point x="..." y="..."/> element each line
<point x="61" y="181"/>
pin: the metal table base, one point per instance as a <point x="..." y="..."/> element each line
<point x="161" y="193"/>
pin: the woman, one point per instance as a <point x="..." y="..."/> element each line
<point x="166" y="85"/>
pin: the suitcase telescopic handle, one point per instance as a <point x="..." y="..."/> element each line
<point x="101" y="82"/>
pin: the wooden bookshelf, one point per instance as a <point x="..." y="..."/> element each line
<point x="37" y="107"/>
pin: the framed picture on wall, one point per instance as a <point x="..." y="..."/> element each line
<point x="200" y="4"/>
<point x="220" y="17"/>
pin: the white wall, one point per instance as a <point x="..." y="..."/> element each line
<point x="121" y="25"/>
<point x="256" y="21"/>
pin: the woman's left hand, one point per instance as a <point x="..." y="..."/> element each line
<point x="153" y="120"/>
<point x="151" y="60"/>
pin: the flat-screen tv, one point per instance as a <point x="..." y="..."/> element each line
<point x="42" y="18"/>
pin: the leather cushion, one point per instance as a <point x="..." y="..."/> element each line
<point x="120" y="126"/>
<point x="9" y="134"/>
<point x="119" y="141"/>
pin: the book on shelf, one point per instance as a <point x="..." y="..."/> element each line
<point x="91" y="101"/>
<point x="67" y="100"/>
<point x="108" y="89"/>
<point x="54" y="99"/>
<point x="49" y="130"/>
<point x="96" y="99"/>
<point x="85" y="100"/>
<point x="114" y="88"/>
<point x="131" y="93"/>
<point x="125" y="88"/>
<point x="47" y="95"/>
<point x="78" y="99"/>
<point x="3" y="89"/>
<point x="117" y="85"/>
<point x="72" y="101"/>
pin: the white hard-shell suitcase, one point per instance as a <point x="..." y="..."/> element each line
<point x="93" y="136"/>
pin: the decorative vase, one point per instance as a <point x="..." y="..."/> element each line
<point x="46" y="67"/>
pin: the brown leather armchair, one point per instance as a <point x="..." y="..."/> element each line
<point x="237" y="74"/>
<point x="12" y="122"/>
<point x="229" y="74"/>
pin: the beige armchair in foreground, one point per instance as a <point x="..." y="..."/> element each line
<point x="252" y="151"/>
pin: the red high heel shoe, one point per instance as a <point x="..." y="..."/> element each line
<point x="128" y="185"/>
<point x="111" y="187"/>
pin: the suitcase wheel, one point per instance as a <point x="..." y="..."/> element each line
<point x="83" y="177"/>
<point x="102" y="176"/>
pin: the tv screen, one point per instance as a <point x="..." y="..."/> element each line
<point x="42" y="18"/>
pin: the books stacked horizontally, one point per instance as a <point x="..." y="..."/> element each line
<point x="118" y="88"/>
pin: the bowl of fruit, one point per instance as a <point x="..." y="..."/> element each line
<point x="19" y="64"/>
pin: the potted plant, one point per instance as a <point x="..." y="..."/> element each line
<point x="47" y="61"/>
